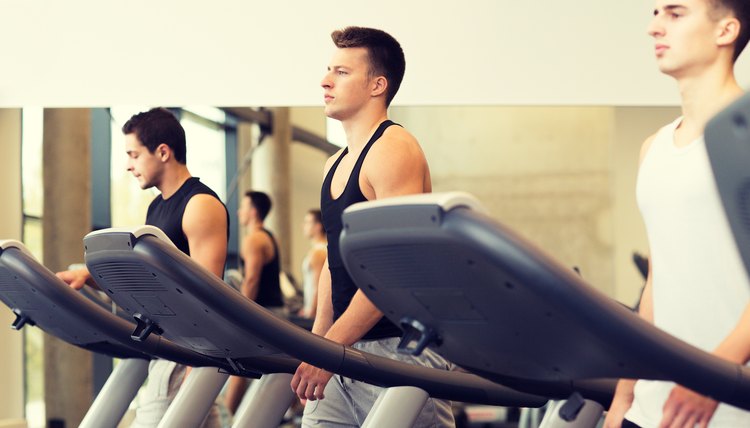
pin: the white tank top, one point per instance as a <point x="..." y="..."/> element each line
<point x="700" y="286"/>
<point x="308" y="277"/>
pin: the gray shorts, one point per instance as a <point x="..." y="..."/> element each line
<point x="347" y="401"/>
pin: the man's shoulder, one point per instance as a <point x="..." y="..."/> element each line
<point x="397" y="133"/>
<point x="198" y="193"/>
<point x="197" y="187"/>
<point x="203" y="207"/>
<point x="203" y="201"/>
<point x="396" y="142"/>
<point x="259" y="239"/>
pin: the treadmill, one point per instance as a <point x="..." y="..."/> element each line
<point x="38" y="298"/>
<point x="728" y="145"/>
<point x="489" y="300"/>
<point x="170" y="294"/>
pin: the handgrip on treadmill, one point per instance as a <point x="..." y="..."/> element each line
<point x="572" y="407"/>
<point x="20" y="321"/>
<point x="417" y="337"/>
<point x="144" y="328"/>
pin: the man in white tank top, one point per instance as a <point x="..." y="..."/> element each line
<point x="313" y="263"/>
<point x="697" y="288"/>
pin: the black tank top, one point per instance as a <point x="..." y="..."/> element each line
<point x="269" y="289"/>
<point x="342" y="286"/>
<point x="166" y="214"/>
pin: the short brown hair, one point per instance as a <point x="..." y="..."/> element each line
<point x="261" y="202"/>
<point x="158" y="126"/>
<point x="385" y="54"/>
<point x="316" y="215"/>
<point x="741" y="10"/>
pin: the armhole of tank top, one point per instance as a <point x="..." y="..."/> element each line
<point x="332" y="170"/>
<point x="379" y="133"/>
<point x="644" y="156"/>
<point x="657" y="139"/>
<point x="274" y="245"/>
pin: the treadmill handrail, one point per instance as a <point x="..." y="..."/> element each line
<point x="12" y="243"/>
<point x="135" y="231"/>
<point x="447" y="201"/>
<point x="520" y="259"/>
<point x="283" y="335"/>
<point x="111" y="327"/>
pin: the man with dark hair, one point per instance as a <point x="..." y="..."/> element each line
<point x="261" y="203"/>
<point x="699" y="296"/>
<point x="189" y="213"/>
<point x="262" y="267"/>
<point x="158" y="126"/>
<point x="383" y="51"/>
<point x="740" y="9"/>
<point x="380" y="160"/>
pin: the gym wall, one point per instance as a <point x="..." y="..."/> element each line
<point x="11" y="353"/>
<point x="481" y="52"/>
<point x="563" y="177"/>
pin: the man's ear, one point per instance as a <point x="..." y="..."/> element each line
<point x="379" y="86"/>
<point x="729" y="30"/>
<point x="164" y="152"/>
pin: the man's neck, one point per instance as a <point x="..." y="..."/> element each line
<point x="172" y="179"/>
<point x="706" y="95"/>
<point x="254" y="224"/>
<point x="361" y="126"/>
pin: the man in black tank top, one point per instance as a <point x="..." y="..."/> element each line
<point x="380" y="161"/>
<point x="262" y="266"/>
<point x="188" y="212"/>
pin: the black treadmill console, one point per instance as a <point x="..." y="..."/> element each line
<point x="728" y="145"/>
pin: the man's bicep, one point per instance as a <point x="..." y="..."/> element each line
<point x="318" y="259"/>
<point x="205" y="227"/>
<point x="324" y="313"/>
<point x="254" y="255"/>
<point x="210" y="251"/>
<point x="324" y="281"/>
<point x="397" y="168"/>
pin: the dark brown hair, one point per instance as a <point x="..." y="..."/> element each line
<point x="261" y="202"/>
<point x="384" y="52"/>
<point x="316" y="215"/>
<point x="741" y="10"/>
<point x="158" y="126"/>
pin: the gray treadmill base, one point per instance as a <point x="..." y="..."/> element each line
<point x="113" y="400"/>
<point x="396" y="407"/>
<point x="194" y="399"/>
<point x="265" y="402"/>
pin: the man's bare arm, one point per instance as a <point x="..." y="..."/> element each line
<point x="317" y="263"/>
<point x="324" y="311"/>
<point x="395" y="166"/>
<point x="205" y="225"/>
